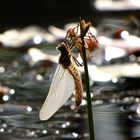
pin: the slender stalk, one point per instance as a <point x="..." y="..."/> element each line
<point x="89" y="102"/>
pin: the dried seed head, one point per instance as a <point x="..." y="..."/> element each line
<point x="84" y="27"/>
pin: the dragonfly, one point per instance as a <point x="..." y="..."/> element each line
<point x="65" y="81"/>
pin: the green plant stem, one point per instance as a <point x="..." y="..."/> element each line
<point x="89" y="102"/>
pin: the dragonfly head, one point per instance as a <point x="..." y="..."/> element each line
<point x="62" y="47"/>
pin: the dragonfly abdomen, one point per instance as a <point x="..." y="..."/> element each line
<point x="78" y="85"/>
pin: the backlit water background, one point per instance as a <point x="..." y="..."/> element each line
<point x="28" y="59"/>
<point x="26" y="71"/>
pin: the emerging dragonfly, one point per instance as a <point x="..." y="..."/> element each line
<point x="66" y="79"/>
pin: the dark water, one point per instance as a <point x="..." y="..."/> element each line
<point x="116" y="108"/>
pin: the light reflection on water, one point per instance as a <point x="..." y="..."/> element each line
<point x="116" y="113"/>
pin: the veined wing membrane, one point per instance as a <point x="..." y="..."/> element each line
<point x="61" y="89"/>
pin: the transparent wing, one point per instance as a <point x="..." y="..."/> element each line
<point x="60" y="90"/>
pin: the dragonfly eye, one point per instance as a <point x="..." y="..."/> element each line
<point x="62" y="47"/>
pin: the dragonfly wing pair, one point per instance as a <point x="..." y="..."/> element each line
<point x="61" y="89"/>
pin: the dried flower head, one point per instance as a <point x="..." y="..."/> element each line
<point x="84" y="28"/>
